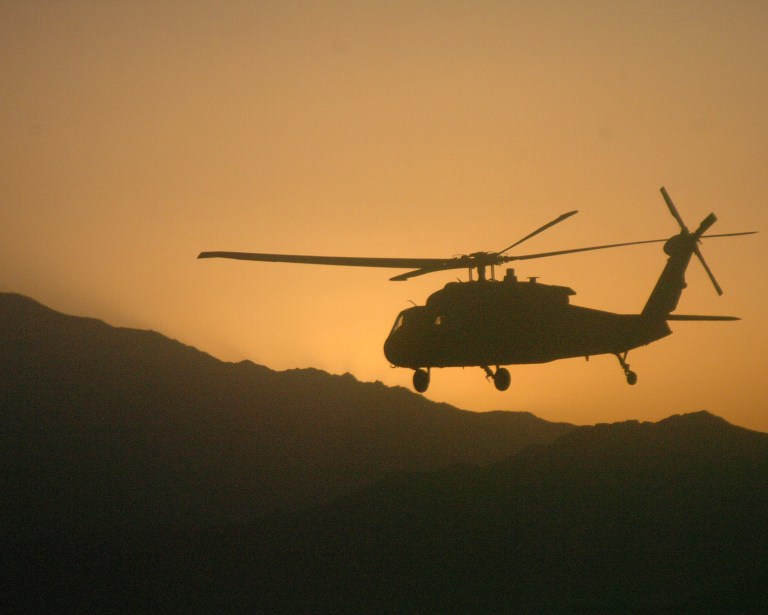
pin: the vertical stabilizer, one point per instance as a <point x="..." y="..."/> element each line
<point x="671" y="283"/>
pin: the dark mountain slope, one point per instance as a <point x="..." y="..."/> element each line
<point x="671" y="516"/>
<point x="105" y="430"/>
<point x="136" y="473"/>
<point x="633" y="517"/>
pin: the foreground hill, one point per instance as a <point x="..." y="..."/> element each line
<point x="666" y="517"/>
<point x="115" y="430"/>
<point x="645" y="517"/>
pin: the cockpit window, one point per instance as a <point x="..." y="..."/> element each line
<point x="398" y="323"/>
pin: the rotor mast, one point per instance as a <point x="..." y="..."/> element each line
<point x="480" y="261"/>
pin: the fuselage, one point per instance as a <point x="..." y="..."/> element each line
<point x="510" y="322"/>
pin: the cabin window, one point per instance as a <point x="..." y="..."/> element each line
<point x="438" y="321"/>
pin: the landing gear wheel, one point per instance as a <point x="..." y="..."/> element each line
<point x="631" y="376"/>
<point x="421" y="380"/>
<point x="501" y="379"/>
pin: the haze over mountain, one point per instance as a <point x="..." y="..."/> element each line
<point x="139" y="474"/>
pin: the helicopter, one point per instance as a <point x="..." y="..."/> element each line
<point x="490" y="323"/>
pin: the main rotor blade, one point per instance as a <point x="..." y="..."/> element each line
<point x="423" y="271"/>
<point x="673" y="209"/>
<point x="466" y="261"/>
<point x="728" y="234"/>
<point x="421" y="266"/>
<point x="540" y="229"/>
<point x="522" y="257"/>
<point x="698" y="317"/>
<point x="345" y="261"/>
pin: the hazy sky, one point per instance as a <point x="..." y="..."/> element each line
<point x="136" y="134"/>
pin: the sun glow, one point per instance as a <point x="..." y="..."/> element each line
<point x="138" y="135"/>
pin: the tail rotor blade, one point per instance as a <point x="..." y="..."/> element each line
<point x="673" y="209"/>
<point x="697" y="252"/>
<point x="704" y="226"/>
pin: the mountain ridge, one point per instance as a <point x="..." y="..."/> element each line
<point x="128" y="420"/>
<point x="140" y="474"/>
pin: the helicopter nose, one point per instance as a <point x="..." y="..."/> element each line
<point x="393" y="351"/>
<point x="388" y="350"/>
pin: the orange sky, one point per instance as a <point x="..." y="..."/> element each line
<point x="135" y="135"/>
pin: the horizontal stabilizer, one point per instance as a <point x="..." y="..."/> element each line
<point x="697" y="317"/>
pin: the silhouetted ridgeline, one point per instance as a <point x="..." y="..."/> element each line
<point x="139" y="474"/>
<point x="115" y="429"/>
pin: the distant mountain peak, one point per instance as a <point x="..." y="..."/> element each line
<point x="702" y="418"/>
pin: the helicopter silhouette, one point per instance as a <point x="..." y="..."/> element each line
<point x="487" y="322"/>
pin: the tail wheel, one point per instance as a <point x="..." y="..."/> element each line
<point x="502" y="379"/>
<point x="421" y="380"/>
<point x="631" y="376"/>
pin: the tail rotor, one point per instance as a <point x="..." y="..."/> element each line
<point x="695" y="237"/>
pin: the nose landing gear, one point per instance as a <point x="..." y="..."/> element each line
<point x="631" y="376"/>
<point x="421" y="380"/>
